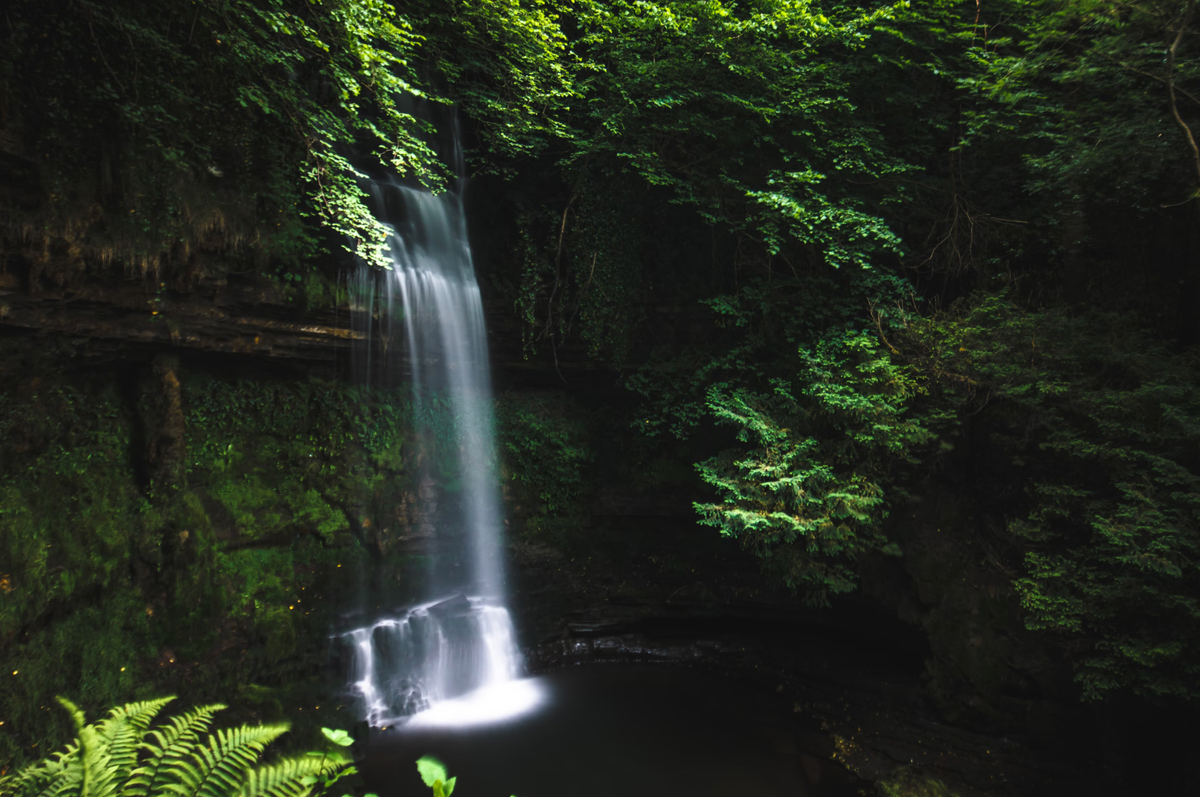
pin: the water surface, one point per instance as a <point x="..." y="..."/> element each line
<point x="603" y="731"/>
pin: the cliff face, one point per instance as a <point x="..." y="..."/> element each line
<point x="136" y="317"/>
<point x="194" y="486"/>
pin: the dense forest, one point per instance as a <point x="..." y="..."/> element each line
<point x="898" y="301"/>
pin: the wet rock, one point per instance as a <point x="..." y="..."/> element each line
<point x="451" y="607"/>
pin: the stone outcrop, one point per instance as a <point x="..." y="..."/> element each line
<point x="224" y="315"/>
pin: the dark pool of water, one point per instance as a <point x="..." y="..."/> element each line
<point x="627" y="730"/>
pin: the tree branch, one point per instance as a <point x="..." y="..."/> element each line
<point x="1143" y="73"/>
<point x="548" y="330"/>
<point x="1187" y="131"/>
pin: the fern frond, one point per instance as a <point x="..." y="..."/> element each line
<point x="96" y="772"/>
<point x="43" y="778"/>
<point x="217" y="769"/>
<point x="69" y="775"/>
<point x="67" y="783"/>
<point x="26" y="779"/>
<point x="291" y="777"/>
<point x="168" y="746"/>
<point x="102" y="760"/>
<point x="123" y="732"/>
<point x="78" y="718"/>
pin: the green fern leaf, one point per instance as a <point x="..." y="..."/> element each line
<point x="97" y="772"/>
<point x="123" y="732"/>
<point x="287" y="778"/>
<point x="170" y="746"/>
<point x="44" y="778"/>
<point x="218" y="769"/>
<point x="102" y="760"/>
<point x="27" y="779"/>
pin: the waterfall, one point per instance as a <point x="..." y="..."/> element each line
<point x="407" y="664"/>
<point x="438" y="651"/>
<point x="431" y="300"/>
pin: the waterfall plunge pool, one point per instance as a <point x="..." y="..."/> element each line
<point x="608" y="730"/>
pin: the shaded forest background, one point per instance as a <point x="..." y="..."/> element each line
<point x="892" y="288"/>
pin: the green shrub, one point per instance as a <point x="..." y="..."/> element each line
<point x="806" y="490"/>
<point x="1098" y="427"/>
<point x="547" y="454"/>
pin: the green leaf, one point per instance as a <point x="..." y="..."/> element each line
<point x="431" y="770"/>
<point x="339" y="737"/>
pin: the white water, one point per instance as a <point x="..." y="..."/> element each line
<point x="419" y="662"/>
<point x="439" y="651"/>
<point x="432" y="290"/>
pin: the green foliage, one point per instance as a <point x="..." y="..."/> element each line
<point x="278" y="458"/>
<point x="339" y="737"/>
<point x="581" y="268"/>
<point x="122" y="755"/>
<point x="910" y="782"/>
<point x="821" y="412"/>
<point x="180" y="122"/>
<point x="510" y="68"/>
<point x="806" y="493"/>
<point x="759" y="327"/>
<point x="1036" y="137"/>
<point x="740" y="111"/>
<point x="110" y="585"/>
<point x="749" y="170"/>
<point x="1072" y="162"/>
<point x="67" y="497"/>
<point x="97" y="648"/>
<point x="433" y="773"/>
<point x="732" y="123"/>
<point x="1098" y="424"/>
<point x="547" y="455"/>
<point x="1086" y="86"/>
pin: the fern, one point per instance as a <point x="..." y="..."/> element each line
<point x="46" y="778"/>
<point x="291" y="777"/>
<point x="171" y="744"/>
<point x="95" y="774"/>
<point x="122" y="756"/>
<point x="219" y="768"/>
<point x="123" y="731"/>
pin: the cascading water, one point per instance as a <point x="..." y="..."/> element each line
<point x="441" y="650"/>
<point x="431" y="300"/>
<point x="407" y="664"/>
